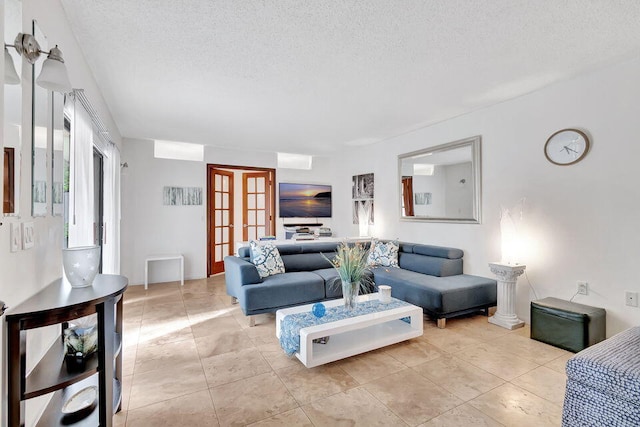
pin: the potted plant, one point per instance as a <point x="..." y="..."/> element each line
<point x="80" y="344"/>
<point x="350" y="262"/>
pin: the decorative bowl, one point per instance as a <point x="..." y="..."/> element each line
<point x="81" y="265"/>
<point x="80" y="404"/>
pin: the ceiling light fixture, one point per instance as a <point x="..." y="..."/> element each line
<point x="53" y="75"/>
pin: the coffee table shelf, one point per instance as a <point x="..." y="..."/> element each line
<point x="354" y="335"/>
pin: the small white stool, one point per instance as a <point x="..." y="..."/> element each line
<point x="163" y="258"/>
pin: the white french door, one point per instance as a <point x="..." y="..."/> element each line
<point x="256" y="194"/>
<point x="220" y="218"/>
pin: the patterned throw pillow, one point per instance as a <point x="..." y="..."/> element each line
<point x="266" y="258"/>
<point x="383" y="254"/>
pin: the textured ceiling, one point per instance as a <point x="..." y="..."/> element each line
<point x="315" y="76"/>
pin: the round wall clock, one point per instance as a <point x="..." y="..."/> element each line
<point x="566" y="147"/>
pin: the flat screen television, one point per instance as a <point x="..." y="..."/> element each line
<point x="304" y="200"/>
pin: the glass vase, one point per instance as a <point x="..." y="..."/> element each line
<point x="350" y="294"/>
<point x="81" y="265"/>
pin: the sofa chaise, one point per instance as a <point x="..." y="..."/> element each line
<point x="428" y="276"/>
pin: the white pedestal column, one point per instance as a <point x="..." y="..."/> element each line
<point x="507" y="276"/>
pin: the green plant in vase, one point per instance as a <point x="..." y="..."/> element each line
<point x="350" y="262"/>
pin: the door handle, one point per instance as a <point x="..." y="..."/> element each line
<point x="245" y="225"/>
<point x="230" y="225"/>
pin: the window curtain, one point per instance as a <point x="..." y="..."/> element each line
<point x="81" y="227"/>
<point x="111" y="242"/>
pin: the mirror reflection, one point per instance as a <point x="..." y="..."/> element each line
<point x="12" y="115"/>
<point x="442" y="183"/>
<point x="57" y="155"/>
<point x="41" y="115"/>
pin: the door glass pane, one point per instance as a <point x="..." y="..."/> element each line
<point x="225" y="235"/>
<point x="251" y="218"/>
<point x="251" y="185"/>
<point x="218" y="184"/>
<point x="260" y="184"/>
<point x="218" y="253"/>
<point x="218" y="200"/>
<point x="217" y="217"/>
<point x="225" y="250"/>
<point x="260" y="201"/>
<point x="251" y="232"/>
<point x="261" y="217"/>
<point x="225" y="183"/>
<point x="261" y="231"/>
<point x="218" y="234"/>
<point x="251" y="201"/>
<point x="225" y="200"/>
<point x="225" y="217"/>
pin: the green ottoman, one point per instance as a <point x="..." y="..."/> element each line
<point x="566" y="324"/>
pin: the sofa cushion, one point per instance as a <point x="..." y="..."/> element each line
<point x="438" y="251"/>
<point x="383" y="254"/>
<point x="438" y="294"/>
<point x="306" y="262"/>
<point x="332" y="282"/>
<point x="266" y="258"/>
<point x="430" y="265"/>
<point x="282" y="290"/>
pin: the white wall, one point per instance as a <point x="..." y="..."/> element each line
<point x="580" y="221"/>
<point x="149" y="227"/>
<point x="24" y="273"/>
<point x="434" y="184"/>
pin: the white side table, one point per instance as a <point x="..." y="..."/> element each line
<point x="150" y="258"/>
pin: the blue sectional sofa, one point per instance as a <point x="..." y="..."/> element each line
<point x="429" y="276"/>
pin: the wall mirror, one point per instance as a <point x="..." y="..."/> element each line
<point x="41" y="118"/>
<point x="12" y="146"/>
<point x="60" y="135"/>
<point x="442" y="183"/>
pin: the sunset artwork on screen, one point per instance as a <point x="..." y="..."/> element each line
<point x="305" y="201"/>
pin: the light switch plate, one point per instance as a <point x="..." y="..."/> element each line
<point x="16" y="237"/>
<point x="28" y="235"/>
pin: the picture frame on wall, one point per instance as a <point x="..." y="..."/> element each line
<point x="182" y="196"/>
<point x="362" y="191"/>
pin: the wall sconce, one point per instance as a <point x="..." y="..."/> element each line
<point x="54" y="73"/>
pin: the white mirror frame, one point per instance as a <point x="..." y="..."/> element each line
<point x="476" y="171"/>
<point x="41" y="127"/>
<point x="13" y="103"/>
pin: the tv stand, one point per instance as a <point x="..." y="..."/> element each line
<point x="301" y="228"/>
<point x="304" y="224"/>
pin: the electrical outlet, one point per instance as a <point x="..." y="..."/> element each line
<point x="631" y="298"/>
<point x="583" y="288"/>
<point x="16" y="237"/>
<point x="28" y="234"/>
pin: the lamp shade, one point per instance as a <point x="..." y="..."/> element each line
<point x="10" y="75"/>
<point x="54" y="73"/>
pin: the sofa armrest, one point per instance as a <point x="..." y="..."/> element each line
<point x="237" y="273"/>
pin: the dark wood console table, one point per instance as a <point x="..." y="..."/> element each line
<point x="58" y="303"/>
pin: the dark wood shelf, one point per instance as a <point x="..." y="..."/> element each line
<point x="117" y="395"/>
<point x="53" y="416"/>
<point x="58" y="303"/>
<point x="117" y="344"/>
<point x="50" y="374"/>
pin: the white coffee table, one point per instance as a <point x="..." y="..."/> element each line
<point x="354" y="335"/>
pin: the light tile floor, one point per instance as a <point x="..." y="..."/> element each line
<point x="190" y="358"/>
